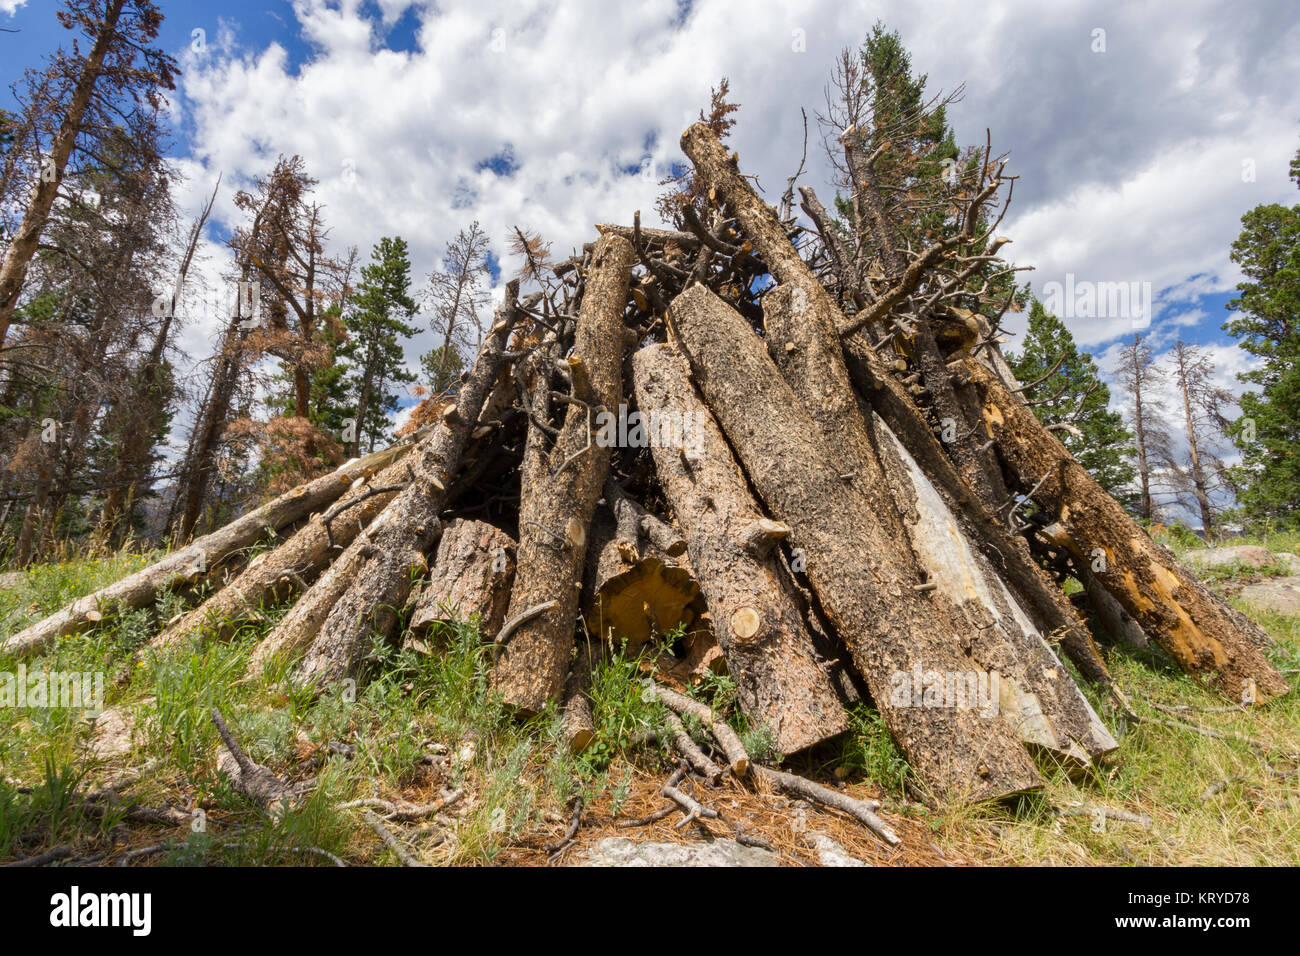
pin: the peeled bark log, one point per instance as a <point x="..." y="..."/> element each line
<point x="1169" y="604"/>
<point x="198" y="559"/>
<point x="471" y="575"/>
<point x="632" y="593"/>
<point x="559" y="489"/>
<point x="373" y="578"/>
<point x="780" y="681"/>
<point x="1048" y="608"/>
<point x="892" y="630"/>
<point x="1038" y="698"/>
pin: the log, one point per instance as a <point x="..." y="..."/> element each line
<point x="781" y="682"/>
<point x="700" y="657"/>
<point x="1113" y="619"/>
<point x="199" y="559"/>
<point x="360" y="595"/>
<point x="861" y="810"/>
<point x="760" y="223"/>
<point x="560" y="485"/>
<point x="577" y="725"/>
<point x="1048" y="608"/>
<point x="635" y="523"/>
<point x="471" y="576"/>
<point x="1037" y="696"/>
<point x="891" y="630"/>
<point x="632" y="594"/>
<point x="279" y="574"/>
<point x="1169" y="604"/>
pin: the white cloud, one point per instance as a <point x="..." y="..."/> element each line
<point x="1129" y="161"/>
<point x="10" y="7"/>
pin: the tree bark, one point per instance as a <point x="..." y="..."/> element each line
<point x="290" y="568"/>
<point x="578" y="726"/>
<point x="894" y="631"/>
<point x="26" y="239"/>
<point x="1170" y="605"/>
<point x="559" y="489"/>
<point x="1047" y="606"/>
<point x="471" y="576"/>
<point x="761" y="224"/>
<point x="781" y="682"/>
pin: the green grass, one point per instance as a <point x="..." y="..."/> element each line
<point x="425" y="724"/>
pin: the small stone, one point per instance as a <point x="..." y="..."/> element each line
<point x="1279" y="595"/>
<point x="830" y="853"/>
<point x="618" y="851"/>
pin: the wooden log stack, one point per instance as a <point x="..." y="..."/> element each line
<point x="713" y="448"/>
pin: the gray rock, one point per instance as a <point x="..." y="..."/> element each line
<point x="1280" y="595"/>
<point x="617" y="851"/>
<point x="830" y="853"/>
<point x="1250" y="555"/>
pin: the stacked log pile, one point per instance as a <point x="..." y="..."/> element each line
<point x="750" y="440"/>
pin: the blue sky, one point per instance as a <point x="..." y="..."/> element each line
<point x="417" y="118"/>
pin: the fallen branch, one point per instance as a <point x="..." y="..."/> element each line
<point x="391" y="841"/>
<point x="861" y="810"/>
<point x="737" y="758"/>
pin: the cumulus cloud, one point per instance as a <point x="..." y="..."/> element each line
<point x="557" y="116"/>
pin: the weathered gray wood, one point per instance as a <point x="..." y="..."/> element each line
<point x="198" y="559"/>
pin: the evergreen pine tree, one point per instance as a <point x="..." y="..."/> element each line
<point x="1266" y="322"/>
<point x="376" y="322"/>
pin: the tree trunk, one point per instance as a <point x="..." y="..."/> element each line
<point x="560" y="487"/>
<point x="471" y="576"/>
<point x="781" y="682"/>
<point x="201" y="459"/>
<point x="1038" y="699"/>
<point x="1048" y="608"/>
<point x="28" y="235"/>
<point x="1170" y="605"/>
<point x="632" y="591"/>
<point x="289" y="569"/>
<point x="898" y="634"/>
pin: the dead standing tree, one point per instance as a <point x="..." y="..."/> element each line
<point x="852" y="488"/>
